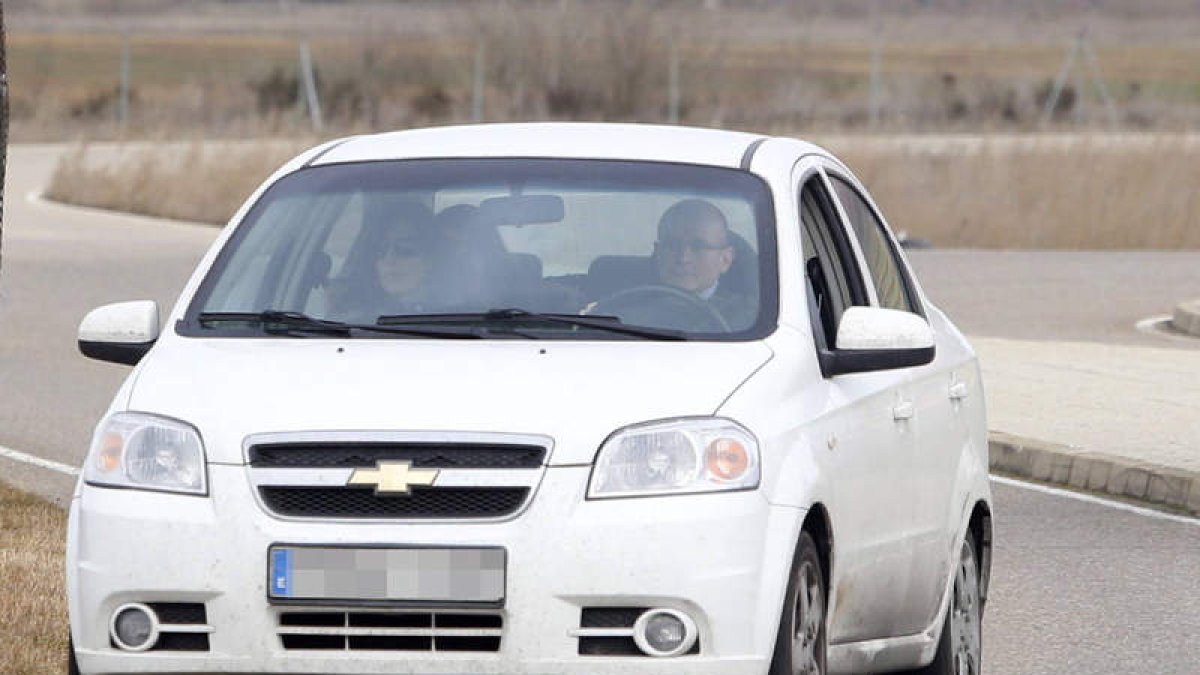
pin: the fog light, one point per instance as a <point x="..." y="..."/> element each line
<point x="134" y="627"/>
<point x="664" y="632"/>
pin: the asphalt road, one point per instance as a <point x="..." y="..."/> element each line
<point x="1083" y="588"/>
<point x="1078" y="296"/>
<point x="1078" y="587"/>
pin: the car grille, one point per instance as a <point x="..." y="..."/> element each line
<point x="309" y="502"/>
<point x="461" y="456"/>
<point x="409" y="631"/>
<point x="477" y="476"/>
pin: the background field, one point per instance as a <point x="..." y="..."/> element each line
<point x="205" y="70"/>
<point x="229" y="68"/>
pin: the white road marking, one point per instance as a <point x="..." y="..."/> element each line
<point x="1092" y="499"/>
<point x="37" y="461"/>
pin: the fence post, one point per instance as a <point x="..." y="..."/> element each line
<point x="309" y="81"/>
<point x="673" y="85"/>
<point x="876" y="98"/>
<point x="1110" y="106"/>
<point x="477" y="86"/>
<point x="123" y="96"/>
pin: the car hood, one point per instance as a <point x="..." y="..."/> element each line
<point x="575" y="393"/>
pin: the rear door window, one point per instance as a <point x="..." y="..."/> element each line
<point x="891" y="282"/>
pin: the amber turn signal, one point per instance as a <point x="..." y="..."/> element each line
<point x="109" y="458"/>
<point x="727" y="459"/>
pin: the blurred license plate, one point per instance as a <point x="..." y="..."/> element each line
<point x="403" y="575"/>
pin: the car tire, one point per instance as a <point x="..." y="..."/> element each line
<point x="801" y="644"/>
<point x="72" y="664"/>
<point x="960" y="650"/>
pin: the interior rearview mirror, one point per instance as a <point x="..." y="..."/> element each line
<point x="522" y="210"/>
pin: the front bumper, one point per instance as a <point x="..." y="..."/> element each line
<point x="720" y="558"/>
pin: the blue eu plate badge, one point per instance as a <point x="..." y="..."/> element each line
<point x="281" y="572"/>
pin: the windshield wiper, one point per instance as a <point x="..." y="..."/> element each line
<point x="276" y="321"/>
<point x="610" y="324"/>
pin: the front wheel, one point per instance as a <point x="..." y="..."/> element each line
<point x="800" y="644"/>
<point x="960" y="651"/>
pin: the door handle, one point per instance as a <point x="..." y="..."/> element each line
<point x="903" y="411"/>
<point x="958" y="391"/>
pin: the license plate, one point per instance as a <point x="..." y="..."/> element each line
<point x="386" y="575"/>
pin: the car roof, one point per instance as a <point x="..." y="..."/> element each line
<point x="574" y="140"/>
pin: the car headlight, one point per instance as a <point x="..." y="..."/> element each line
<point x="147" y="452"/>
<point x="676" y="457"/>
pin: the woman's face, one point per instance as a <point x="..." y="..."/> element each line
<point x="401" y="264"/>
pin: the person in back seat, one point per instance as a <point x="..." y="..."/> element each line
<point x="693" y="250"/>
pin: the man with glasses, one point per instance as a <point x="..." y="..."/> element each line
<point x="693" y="250"/>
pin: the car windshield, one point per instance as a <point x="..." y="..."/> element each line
<point x="499" y="248"/>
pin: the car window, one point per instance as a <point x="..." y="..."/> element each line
<point x="887" y="273"/>
<point x="664" y="246"/>
<point x="832" y="278"/>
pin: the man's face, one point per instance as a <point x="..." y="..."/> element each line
<point x="692" y="255"/>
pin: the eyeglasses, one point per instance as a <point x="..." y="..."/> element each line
<point x="672" y="245"/>
<point x="401" y="249"/>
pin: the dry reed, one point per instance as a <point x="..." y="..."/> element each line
<point x="1049" y="192"/>
<point x="1052" y="192"/>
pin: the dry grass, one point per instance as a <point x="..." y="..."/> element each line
<point x="196" y="182"/>
<point x="1037" y="192"/>
<point x="33" y="533"/>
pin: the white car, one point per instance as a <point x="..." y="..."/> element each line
<point x="539" y="398"/>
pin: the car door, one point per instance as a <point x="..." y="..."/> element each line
<point x="869" y="441"/>
<point x="936" y="392"/>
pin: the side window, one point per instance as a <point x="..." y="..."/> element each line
<point x="832" y="277"/>
<point x="882" y="260"/>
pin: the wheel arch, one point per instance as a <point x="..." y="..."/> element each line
<point x="818" y="526"/>
<point x="980" y="531"/>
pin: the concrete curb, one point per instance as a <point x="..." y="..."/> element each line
<point x="1118" y="476"/>
<point x="1186" y="318"/>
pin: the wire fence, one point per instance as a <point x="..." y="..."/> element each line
<point x="630" y="64"/>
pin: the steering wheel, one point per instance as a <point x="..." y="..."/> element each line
<point x="663" y="307"/>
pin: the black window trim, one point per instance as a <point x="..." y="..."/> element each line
<point x="859" y="295"/>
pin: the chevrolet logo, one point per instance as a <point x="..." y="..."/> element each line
<point x="392" y="478"/>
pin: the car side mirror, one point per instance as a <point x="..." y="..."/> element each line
<point x="872" y="338"/>
<point x="119" y="333"/>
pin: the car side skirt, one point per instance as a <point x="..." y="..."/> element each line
<point x="878" y="656"/>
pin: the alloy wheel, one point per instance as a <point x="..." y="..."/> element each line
<point x="808" y="619"/>
<point x="965" y="615"/>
